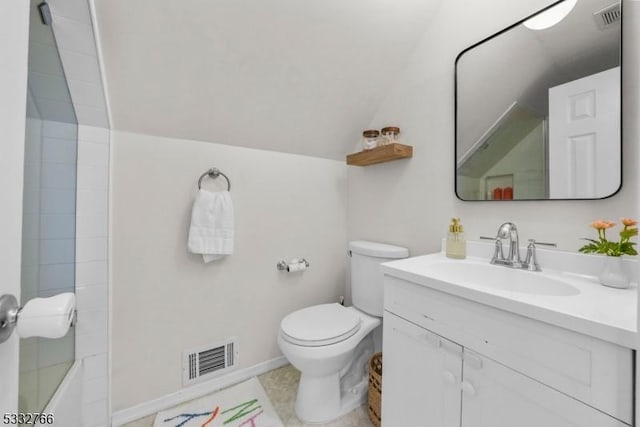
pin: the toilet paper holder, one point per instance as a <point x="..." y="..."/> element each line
<point x="46" y="317"/>
<point x="296" y="264"/>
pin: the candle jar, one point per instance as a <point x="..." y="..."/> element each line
<point x="370" y="139"/>
<point x="390" y="135"/>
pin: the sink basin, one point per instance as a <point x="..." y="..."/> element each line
<point x="500" y="278"/>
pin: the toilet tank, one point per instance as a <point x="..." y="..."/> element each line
<point x="366" y="277"/>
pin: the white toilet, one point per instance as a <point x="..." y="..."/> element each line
<point x="331" y="344"/>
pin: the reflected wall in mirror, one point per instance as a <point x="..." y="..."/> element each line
<point x="538" y="110"/>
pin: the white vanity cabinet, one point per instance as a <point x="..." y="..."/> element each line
<point x="422" y="373"/>
<point x="449" y="361"/>
<point x="496" y="396"/>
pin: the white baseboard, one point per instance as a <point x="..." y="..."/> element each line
<point x="127" y="415"/>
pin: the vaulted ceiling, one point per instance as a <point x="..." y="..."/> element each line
<point x="298" y="76"/>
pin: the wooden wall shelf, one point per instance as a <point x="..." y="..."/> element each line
<point x="384" y="153"/>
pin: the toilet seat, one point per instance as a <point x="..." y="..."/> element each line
<point x="320" y="325"/>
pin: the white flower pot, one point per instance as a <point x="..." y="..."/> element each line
<point x="613" y="274"/>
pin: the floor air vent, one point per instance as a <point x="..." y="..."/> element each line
<point x="208" y="362"/>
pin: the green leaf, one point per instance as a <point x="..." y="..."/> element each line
<point x="629" y="233"/>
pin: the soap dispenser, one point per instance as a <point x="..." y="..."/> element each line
<point x="456" y="244"/>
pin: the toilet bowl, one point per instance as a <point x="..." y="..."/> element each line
<point x="331" y="344"/>
<point x="321" y="342"/>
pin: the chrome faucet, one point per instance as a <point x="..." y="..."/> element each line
<point x="509" y="231"/>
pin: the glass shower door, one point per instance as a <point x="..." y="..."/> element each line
<point x="49" y="207"/>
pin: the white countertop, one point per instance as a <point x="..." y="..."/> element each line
<point x="599" y="311"/>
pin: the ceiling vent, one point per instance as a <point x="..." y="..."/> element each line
<point x="608" y="16"/>
<point x="207" y="362"/>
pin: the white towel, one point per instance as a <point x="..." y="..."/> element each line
<point x="211" y="231"/>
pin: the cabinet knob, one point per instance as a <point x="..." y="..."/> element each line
<point x="468" y="388"/>
<point x="448" y="377"/>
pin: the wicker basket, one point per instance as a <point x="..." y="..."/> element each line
<point x="375" y="388"/>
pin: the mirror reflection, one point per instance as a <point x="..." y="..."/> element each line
<point x="538" y="107"/>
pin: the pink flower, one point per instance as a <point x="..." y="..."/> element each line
<point x="602" y="224"/>
<point x="628" y="222"/>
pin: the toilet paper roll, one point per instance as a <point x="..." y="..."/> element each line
<point x="299" y="266"/>
<point x="46" y="317"/>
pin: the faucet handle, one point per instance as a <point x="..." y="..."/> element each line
<point x="535" y="242"/>
<point x="530" y="260"/>
<point x="497" y="253"/>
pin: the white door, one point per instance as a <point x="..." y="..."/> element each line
<point x="496" y="396"/>
<point x="14" y="34"/>
<point x="584" y="137"/>
<point x="421" y="376"/>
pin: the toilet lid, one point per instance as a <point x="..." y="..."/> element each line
<point x="319" y="325"/>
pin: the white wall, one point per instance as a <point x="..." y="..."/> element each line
<point x="165" y="300"/>
<point x="410" y="202"/>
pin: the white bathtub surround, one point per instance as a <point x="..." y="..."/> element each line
<point x="92" y="234"/>
<point x="168" y="301"/>
<point x="90" y="203"/>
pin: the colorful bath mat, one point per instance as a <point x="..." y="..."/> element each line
<point x="243" y="405"/>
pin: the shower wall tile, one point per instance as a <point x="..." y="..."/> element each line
<point x="57" y="251"/>
<point x="59" y="130"/>
<point x="56" y="276"/>
<point x="92" y="226"/>
<point x="93" y="115"/>
<point x="91" y="273"/>
<point x="75" y="39"/>
<point x="92" y="202"/>
<point x="87" y="94"/>
<point x="78" y="66"/>
<point x="90" y="321"/>
<point x="58" y="201"/>
<point x="92" y="298"/>
<point x="91" y="249"/>
<point x="31" y="201"/>
<point x="94" y="154"/>
<point x="95" y="414"/>
<point x="94" y="134"/>
<point x="92" y="178"/>
<point x="74" y="35"/>
<point x="94" y="390"/>
<point x="96" y="366"/>
<point x="91" y="344"/>
<point x="58" y="176"/>
<point x="60" y="226"/>
<point x="58" y="150"/>
<point x="77" y="10"/>
<point x="56" y="351"/>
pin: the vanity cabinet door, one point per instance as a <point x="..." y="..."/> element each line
<point x="421" y="376"/>
<point x="496" y="396"/>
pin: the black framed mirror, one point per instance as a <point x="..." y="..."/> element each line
<point x="538" y="107"/>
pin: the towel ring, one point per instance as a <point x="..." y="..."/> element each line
<point x="214" y="173"/>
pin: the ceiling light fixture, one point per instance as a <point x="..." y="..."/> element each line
<point x="551" y="16"/>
